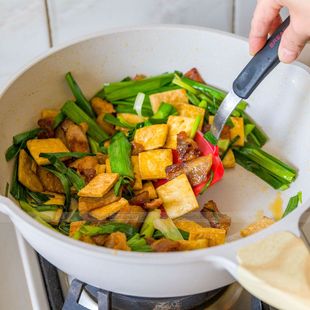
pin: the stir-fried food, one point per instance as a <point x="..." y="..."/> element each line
<point x="124" y="169"/>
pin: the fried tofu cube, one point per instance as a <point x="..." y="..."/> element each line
<point x="153" y="163"/>
<point x="188" y="245"/>
<point x="136" y="170"/>
<point x="38" y="146"/>
<point x="261" y="224"/>
<point x="176" y="124"/>
<point x="99" y="185"/>
<point x="101" y="106"/>
<point x="108" y="166"/>
<point x="87" y="204"/>
<point x="152" y="137"/>
<point x="148" y="187"/>
<point x="229" y="160"/>
<point x="178" y="197"/>
<point x="132" y="215"/>
<point x="56" y="199"/>
<point x="130" y="118"/>
<point x="215" y="236"/>
<point x="27" y="172"/>
<point x="173" y="97"/>
<point x="49" y="113"/>
<point x="189" y="110"/>
<point x="108" y="210"/>
<point x="237" y="130"/>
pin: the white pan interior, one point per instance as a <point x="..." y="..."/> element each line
<point x="281" y="105"/>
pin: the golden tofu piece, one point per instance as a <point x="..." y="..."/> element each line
<point x="132" y="215"/>
<point x="108" y="210"/>
<point x="148" y="187"/>
<point x="108" y="128"/>
<point x="173" y="97"/>
<point x="136" y="170"/>
<point x="75" y="226"/>
<point x="188" y="245"/>
<point x="132" y="119"/>
<point x="49" y="113"/>
<point x="187" y="225"/>
<point x="153" y="163"/>
<point x="100" y="168"/>
<point x="189" y="110"/>
<point x="262" y="223"/>
<point x="237" y="130"/>
<point x="215" y="236"/>
<point x="152" y="137"/>
<point x="87" y="204"/>
<point x="178" y="197"/>
<point x="108" y="166"/>
<point x="176" y="124"/>
<point x="38" y="146"/>
<point x="101" y="106"/>
<point x="99" y="185"/>
<point x="57" y="199"/>
<point x="229" y="160"/>
<point x="27" y="172"/>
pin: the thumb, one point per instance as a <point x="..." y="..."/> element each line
<point x="291" y="45"/>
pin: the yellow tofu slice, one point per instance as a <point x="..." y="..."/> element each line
<point x="176" y="124"/>
<point x="37" y="146"/>
<point x="215" y="236"/>
<point x="262" y="223"/>
<point x="237" y="130"/>
<point x="108" y="166"/>
<point x="100" y="168"/>
<point x="101" y="106"/>
<point x="75" y="226"/>
<point x="49" y="113"/>
<point x="136" y="170"/>
<point x="173" y="97"/>
<point x="148" y="187"/>
<point x="27" y="172"/>
<point x="189" y="110"/>
<point x="99" y="185"/>
<point x="152" y="137"/>
<point x="108" y="210"/>
<point x="153" y="163"/>
<point x="178" y="197"/>
<point x="188" y="245"/>
<point x="57" y="199"/>
<point x="130" y="118"/>
<point x="229" y="160"/>
<point x="187" y="225"/>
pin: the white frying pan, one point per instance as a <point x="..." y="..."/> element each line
<point x="278" y="271"/>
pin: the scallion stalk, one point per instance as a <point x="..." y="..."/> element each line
<point x="293" y="204"/>
<point x="148" y="228"/>
<point x="195" y="126"/>
<point x="138" y="244"/>
<point x="117" y="121"/>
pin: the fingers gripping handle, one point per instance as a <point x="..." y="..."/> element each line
<point x="260" y="65"/>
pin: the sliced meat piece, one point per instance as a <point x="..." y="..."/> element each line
<point x="165" y="245"/>
<point x="101" y="106"/>
<point x="139" y="77"/>
<point x="196" y="169"/>
<point x="47" y="125"/>
<point x="108" y="128"/>
<point x="100" y="239"/>
<point x="136" y="148"/>
<point x="153" y="204"/>
<point x="132" y="215"/>
<point x="88" y="174"/>
<point x="117" y="241"/>
<point x="87" y="204"/>
<point x="194" y="75"/>
<point x="149" y="240"/>
<point x="76" y="139"/>
<point x="140" y="199"/>
<point x="215" y="217"/>
<point x="49" y="181"/>
<point x="86" y="166"/>
<point x="187" y="148"/>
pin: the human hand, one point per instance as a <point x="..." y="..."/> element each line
<point x="267" y="18"/>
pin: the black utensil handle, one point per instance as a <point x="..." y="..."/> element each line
<point x="260" y="65"/>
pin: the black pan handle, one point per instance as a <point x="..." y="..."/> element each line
<point x="260" y="65"/>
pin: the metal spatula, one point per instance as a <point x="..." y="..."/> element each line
<point x="249" y="78"/>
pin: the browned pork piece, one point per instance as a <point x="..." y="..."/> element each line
<point x="132" y="215"/>
<point x="136" y="148"/>
<point x="215" y="217"/>
<point x="187" y="148"/>
<point x="196" y="169"/>
<point x="140" y="199"/>
<point x="73" y="136"/>
<point x="86" y="166"/>
<point x="46" y="124"/>
<point x="194" y="74"/>
<point x="49" y="181"/>
<point x="165" y="245"/>
<point x="117" y="241"/>
<point x="153" y="204"/>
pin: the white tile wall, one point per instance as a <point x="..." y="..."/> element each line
<point x="71" y="18"/>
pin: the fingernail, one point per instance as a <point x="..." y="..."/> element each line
<point x="287" y="56"/>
